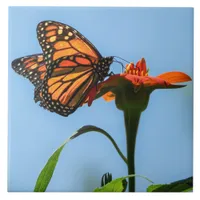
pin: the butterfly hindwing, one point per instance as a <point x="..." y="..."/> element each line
<point x="31" y="67"/>
<point x="68" y="81"/>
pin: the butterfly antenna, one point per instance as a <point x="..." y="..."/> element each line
<point x="119" y="63"/>
<point x="121" y="59"/>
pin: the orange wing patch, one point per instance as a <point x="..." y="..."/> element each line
<point x="57" y="94"/>
<point x="28" y="60"/>
<point x="61" y="45"/>
<point x="50" y="33"/>
<point x="31" y="64"/>
<point x="54" y="87"/>
<point x="83" y="61"/>
<point x="65" y="52"/>
<point x="82" y="47"/>
<point x="42" y="68"/>
<point x="34" y="66"/>
<point x="54" y="80"/>
<point x="51" y="27"/>
<point x="42" y="76"/>
<point x="66" y="63"/>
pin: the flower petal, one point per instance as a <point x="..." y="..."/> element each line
<point x="109" y="96"/>
<point x="150" y="82"/>
<point x="141" y="64"/>
<point x="112" y="81"/>
<point x="175" y="77"/>
<point x="91" y="95"/>
<point x="108" y="88"/>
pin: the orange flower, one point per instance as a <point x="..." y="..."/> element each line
<point x="131" y="91"/>
<point x="136" y="80"/>
<point x="139" y="78"/>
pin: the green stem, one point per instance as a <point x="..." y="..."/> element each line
<point x="131" y="117"/>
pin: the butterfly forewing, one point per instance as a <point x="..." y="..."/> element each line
<point x="58" y="40"/>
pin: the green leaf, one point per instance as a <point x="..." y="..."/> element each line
<point x="184" y="185"/>
<point x="48" y="170"/>
<point x="117" y="185"/>
<point x="151" y="188"/>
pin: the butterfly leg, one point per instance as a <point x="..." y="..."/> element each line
<point x="111" y="74"/>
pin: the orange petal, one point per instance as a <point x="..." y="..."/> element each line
<point x="141" y="64"/>
<point x="175" y="77"/>
<point x="150" y="82"/>
<point x="134" y="79"/>
<point x="109" y="96"/>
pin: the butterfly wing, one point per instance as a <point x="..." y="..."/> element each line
<point x="31" y="67"/>
<point x="70" y="68"/>
<point x="73" y="68"/>
<point x="58" y="40"/>
<point x="68" y="81"/>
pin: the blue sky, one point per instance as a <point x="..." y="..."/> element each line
<point x="164" y="37"/>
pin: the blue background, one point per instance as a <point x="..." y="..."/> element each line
<point x="164" y="149"/>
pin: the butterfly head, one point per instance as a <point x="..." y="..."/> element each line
<point x="103" y="66"/>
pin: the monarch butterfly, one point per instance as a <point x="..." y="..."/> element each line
<point x="69" y="68"/>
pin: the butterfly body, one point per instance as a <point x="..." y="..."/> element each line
<point x="103" y="67"/>
<point x="69" y="68"/>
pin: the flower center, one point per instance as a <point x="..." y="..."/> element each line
<point x="139" y="70"/>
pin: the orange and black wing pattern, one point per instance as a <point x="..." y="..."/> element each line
<point x="69" y="68"/>
<point x="31" y="67"/>
<point x="58" y="40"/>
<point x="73" y="67"/>
<point x="68" y="81"/>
